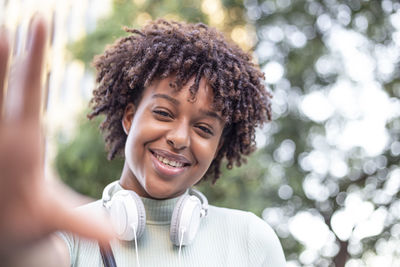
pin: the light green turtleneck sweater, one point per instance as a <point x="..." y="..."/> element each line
<point x="226" y="237"/>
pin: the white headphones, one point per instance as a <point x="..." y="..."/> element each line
<point x="128" y="215"/>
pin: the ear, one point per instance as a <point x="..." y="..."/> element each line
<point x="127" y="118"/>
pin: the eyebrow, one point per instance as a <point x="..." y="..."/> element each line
<point x="212" y="114"/>
<point x="167" y="97"/>
<point x="176" y="102"/>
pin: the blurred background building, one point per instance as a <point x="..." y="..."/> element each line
<point x="67" y="84"/>
<point x="326" y="176"/>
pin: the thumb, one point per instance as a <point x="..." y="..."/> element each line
<point x="86" y="222"/>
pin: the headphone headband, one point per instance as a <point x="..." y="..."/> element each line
<point x="108" y="190"/>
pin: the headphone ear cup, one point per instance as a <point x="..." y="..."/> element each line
<point x="185" y="220"/>
<point x="127" y="215"/>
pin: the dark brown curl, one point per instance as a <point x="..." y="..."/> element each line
<point x="165" y="48"/>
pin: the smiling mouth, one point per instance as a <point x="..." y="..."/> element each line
<point x="168" y="161"/>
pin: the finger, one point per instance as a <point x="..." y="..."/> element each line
<point x="24" y="86"/>
<point x="4" y="55"/>
<point x="34" y="67"/>
<point x="91" y="223"/>
<point x="88" y="224"/>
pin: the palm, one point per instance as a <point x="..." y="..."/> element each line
<point x="29" y="207"/>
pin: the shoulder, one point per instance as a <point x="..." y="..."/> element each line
<point x="235" y="216"/>
<point x="263" y="244"/>
<point x="231" y="220"/>
<point x="227" y="213"/>
<point x="251" y="225"/>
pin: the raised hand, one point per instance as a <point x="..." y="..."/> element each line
<point x="30" y="208"/>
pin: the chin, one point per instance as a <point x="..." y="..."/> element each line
<point x="161" y="192"/>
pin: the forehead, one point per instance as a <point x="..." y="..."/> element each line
<point x="204" y="96"/>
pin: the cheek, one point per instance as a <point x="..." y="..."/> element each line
<point x="143" y="130"/>
<point x="137" y="140"/>
<point x="205" y="151"/>
<point x="131" y="149"/>
<point x="134" y="143"/>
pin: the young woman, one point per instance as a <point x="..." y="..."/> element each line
<point x="178" y="100"/>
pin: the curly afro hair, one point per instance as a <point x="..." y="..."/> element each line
<point x="168" y="48"/>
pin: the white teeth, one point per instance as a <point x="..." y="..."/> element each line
<point x="168" y="162"/>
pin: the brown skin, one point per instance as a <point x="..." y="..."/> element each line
<point x="165" y="120"/>
<point x="33" y="208"/>
<point x="30" y="207"/>
<point x="162" y="48"/>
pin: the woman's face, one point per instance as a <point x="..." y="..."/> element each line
<point x="171" y="142"/>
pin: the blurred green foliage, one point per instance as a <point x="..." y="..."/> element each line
<point x="255" y="186"/>
<point x="82" y="162"/>
<point x="136" y="13"/>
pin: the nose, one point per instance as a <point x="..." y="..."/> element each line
<point x="178" y="137"/>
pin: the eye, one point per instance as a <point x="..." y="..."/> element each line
<point x="205" y="130"/>
<point x="162" y="113"/>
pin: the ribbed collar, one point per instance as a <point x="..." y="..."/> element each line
<point x="157" y="211"/>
